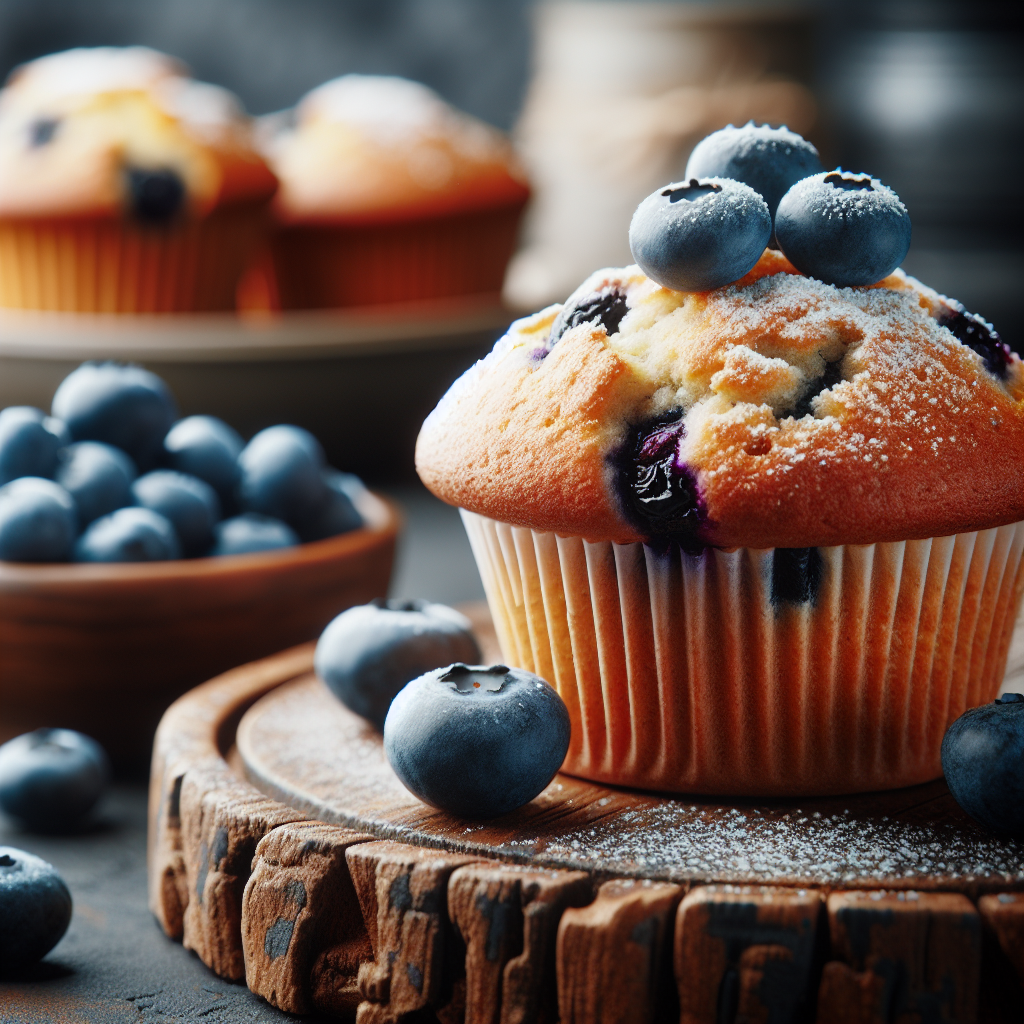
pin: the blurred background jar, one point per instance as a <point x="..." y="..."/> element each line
<point x="620" y="94"/>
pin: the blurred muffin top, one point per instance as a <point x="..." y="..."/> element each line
<point x="372" y="149"/>
<point x="105" y="130"/>
<point x="774" y="412"/>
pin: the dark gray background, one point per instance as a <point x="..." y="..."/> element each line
<point x="270" y="52"/>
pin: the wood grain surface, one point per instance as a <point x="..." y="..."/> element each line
<point x="301" y="746"/>
<point x="463" y="923"/>
<point x="111" y="645"/>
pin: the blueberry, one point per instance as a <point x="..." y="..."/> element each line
<point x="155" y="197"/>
<point x="41" y="131"/>
<point x="189" y="503"/>
<point x="339" y="514"/>
<point x="35" y="908"/>
<point x="659" y="492"/>
<point x="129" y="535"/>
<point x="251" y="532"/>
<point x="769" y="160"/>
<point x="208" y="448"/>
<point x="28" y="447"/>
<point x="699" y="234"/>
<point x="796" y="576"/>
<point x="59" y="429"/>
<point x="368" y="653"/>
<point x="476" y="741"/>
<point x="125" y="406"/>
<point x="50" y="779"/>
<point x="282" y="476"/>
<point x="983" y="761"/>
<point x="606" y="307"/>
<point x="98" y="476"/>
<point x="38" y="521"/>
<point x="842" y="228"/>
<point x="978" y="334"/>
<point x="347" y="483"/>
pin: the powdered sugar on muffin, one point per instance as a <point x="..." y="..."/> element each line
<point x="776" y="412"/>
<point x="371" y="148"/>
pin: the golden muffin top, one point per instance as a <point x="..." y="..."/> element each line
<point x="777" y="411"/>
<point x="108" y="130"/>
<point x="372" y="149"/>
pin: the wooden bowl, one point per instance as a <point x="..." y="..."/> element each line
<point x="105" y="648"/>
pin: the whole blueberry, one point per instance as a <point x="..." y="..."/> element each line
<point x="59" y="429"/>
<point x="769" y="160"/>
<point x="208" y="448"/>
<point x="282" y="470"/>
<point x="983" y="761"/>
<point x="249" y="532"/>
<point x="368" y="653"/>
<point x="476" y="741"/>
<point x="699" y="234"/>
<point x="35" y="908"/>
<point x="98" y="476"/>
<point x="129" y="535"/>
<point x="38" y="521"/>
<point x="41" y="131"/>
<point x="125" y="406"/>
<point x="842" y="228"/>
<point x="347" y="483"/>
<point x="189" y="503"/>
<point x="28" y="447"/>
<point x="50" y="779"/>
<point x="155" y="196"/>
<point x="338" y="514"/>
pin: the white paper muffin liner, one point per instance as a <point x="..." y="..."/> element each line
<point x="681" y="675"/>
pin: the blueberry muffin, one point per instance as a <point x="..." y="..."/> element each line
<point x="125" y="186"/>
<point x="764" y="538"/>
<point x="388" y="194"/>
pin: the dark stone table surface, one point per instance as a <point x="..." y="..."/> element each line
<point x="114" y="964"/>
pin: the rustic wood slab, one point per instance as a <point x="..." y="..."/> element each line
<point x="261" y="871"/>
<point x="302" y="930"/>
<point x="508" y="919"/>
<point x="901" y="956"/>
<point x="614" y="958"/>
<point x="302" y="747"/>
<point x="747" y="953"/>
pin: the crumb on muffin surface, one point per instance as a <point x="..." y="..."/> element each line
<point x="811" y="415"/>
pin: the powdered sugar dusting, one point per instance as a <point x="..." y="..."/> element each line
<point x="301" y="745"/>
<point x="674" y="840"/>
<point x="85" y="71"/>
<point x="844" y="204"/>
<point x="396" y="111"/>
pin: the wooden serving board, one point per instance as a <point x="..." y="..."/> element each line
<point x="285" y="852"/>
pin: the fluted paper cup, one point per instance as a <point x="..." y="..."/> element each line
<point x="326" y="266"/>
<point x="693" y="673"/>
<point x="112" y="265"/>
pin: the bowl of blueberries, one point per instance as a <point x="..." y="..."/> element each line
<point x="141" y="554"/>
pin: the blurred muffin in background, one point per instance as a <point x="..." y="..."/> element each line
<point x="125" y="186"/>
<point x="388" y="194"/>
